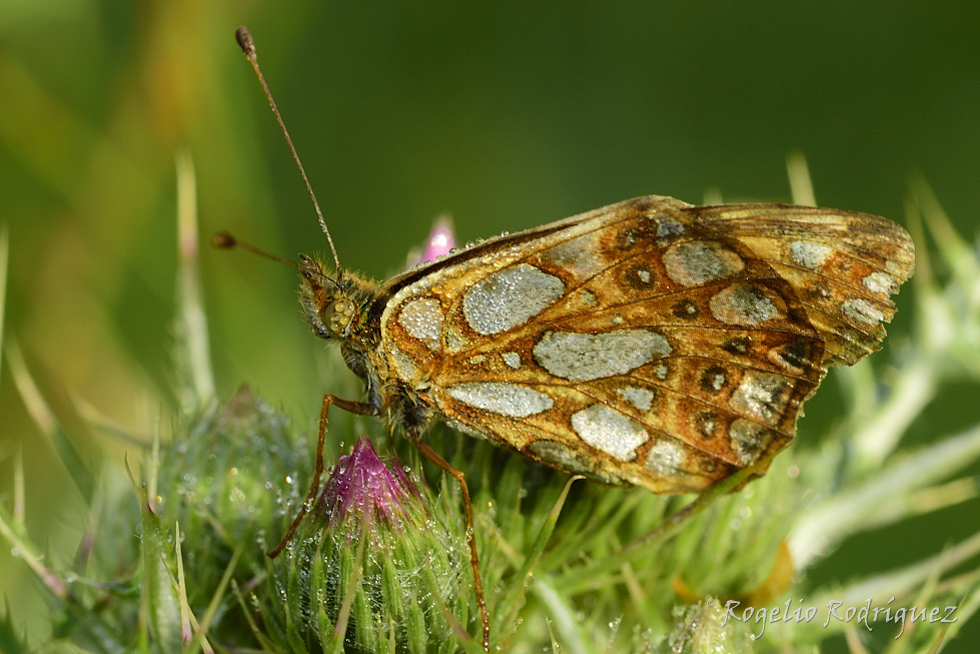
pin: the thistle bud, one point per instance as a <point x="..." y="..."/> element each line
<point x="704" y="627"/>
<point x="220" y="480"/>
<point x="376" y="563"/>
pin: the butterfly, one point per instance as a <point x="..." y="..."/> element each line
<point x="650" y="342"/>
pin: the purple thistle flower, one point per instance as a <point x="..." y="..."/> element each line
<point x="379" y="563"/>
<point x="442" y="239"/>
<point x="361" y="486"/>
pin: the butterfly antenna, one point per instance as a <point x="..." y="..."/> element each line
<point x="225" y="241"/>
<point x="248" y="47"/>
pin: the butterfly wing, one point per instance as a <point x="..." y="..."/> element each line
<point x="842" y="265"/>
<point x="649" y="342"/>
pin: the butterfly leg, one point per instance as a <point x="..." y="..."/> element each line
<point x="359" y="408"/>
<point x="458" y="475"/>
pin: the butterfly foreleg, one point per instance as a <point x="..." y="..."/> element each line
<point x="458" y="475"/>
<point x="359" y="408"/>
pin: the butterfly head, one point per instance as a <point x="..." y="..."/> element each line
<point x="326" y="300"/>
<point x="326" y="305"/>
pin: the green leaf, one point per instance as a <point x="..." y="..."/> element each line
<point x="159" y="600"/>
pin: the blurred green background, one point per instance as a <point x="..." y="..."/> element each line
<point x="508" y="115"/>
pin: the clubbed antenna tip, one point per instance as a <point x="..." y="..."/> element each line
<point x="224" y="240"/>
<point x="244" y="38"/>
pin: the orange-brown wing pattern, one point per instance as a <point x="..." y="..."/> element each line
<point x="842" y="265"/>
<point x="649" y="342"/>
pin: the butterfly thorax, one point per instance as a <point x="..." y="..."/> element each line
<point x="339" y="310"/>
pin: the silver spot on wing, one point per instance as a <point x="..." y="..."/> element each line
<point x="641" y="398"/>
<point x="698" y="262"/>
<point x="509" y="400"/>
<point x="742" y="304"/>
<point x="609" y="431"/>
<point x="762" y="395"/>
<point x="666" y="457"/>
<point x="560" y="456"/>
<point x="509" y="298"/>
<point x="882" y="283"/>
<point x="862" y="311"/>
<point x="747" y="439"/>
<point x="582" y="357"/>
<point x="577" y="255"/>
<point x="422" y="320"/>
<point x="403" y="364"/>
<point x="809" y="254"/>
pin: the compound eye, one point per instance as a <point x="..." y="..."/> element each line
<point x="337" y="314"/>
